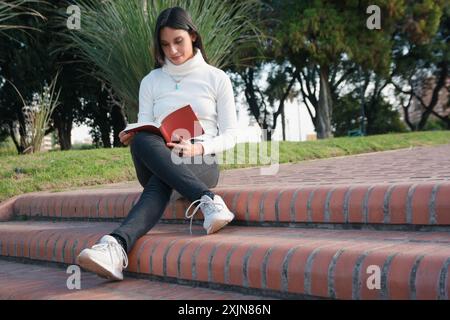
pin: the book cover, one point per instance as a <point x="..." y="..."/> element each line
<point x="183" y="122"/>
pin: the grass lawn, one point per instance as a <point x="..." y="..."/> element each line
<point x="58" y="170"/>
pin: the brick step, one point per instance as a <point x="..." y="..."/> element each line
<point x="423" y="203"/>
<point x="283" y="262"/>
<point x="49" y="282"/>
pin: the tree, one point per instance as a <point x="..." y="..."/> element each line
<point x="382" y="117"/>
<point x="266" y="96"/>
<point x="266" y="82"/>
<point x="325" y="39"/>
<point x="422" y="57"/>
<point x="28" y="60"/>
<point x="111" y="29"/>
<point x="10" y="11"/>
<point x="23" y="69"/>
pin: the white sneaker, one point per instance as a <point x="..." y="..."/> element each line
<point x="215" y="212"/>
<point x="106" y="259"/>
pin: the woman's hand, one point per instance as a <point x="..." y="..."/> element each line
<point x="184" y="148"/>
<point x="126" y="138"/>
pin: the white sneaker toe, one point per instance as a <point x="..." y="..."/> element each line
<point x="106" y="259"/>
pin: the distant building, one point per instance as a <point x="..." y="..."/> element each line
<point x="47" y="143"/>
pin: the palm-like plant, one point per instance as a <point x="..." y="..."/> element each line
<point x="37" y="115"/>
<point x="117" y="37"/>
<point x="13" y="8"/>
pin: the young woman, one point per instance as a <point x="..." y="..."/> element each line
<point x="182" y="76"/>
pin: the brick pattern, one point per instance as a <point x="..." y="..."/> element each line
<point x="37" y="282"/>
<point x="404" y="187"/>
<point x="414" y="165"/>
<point x="396" y="187"/>
<point x="408" y="204"/>
<point x="312" y="262"/>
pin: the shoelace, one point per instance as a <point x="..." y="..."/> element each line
<point x="113" y="246"/>
<point x="207" y="202"/>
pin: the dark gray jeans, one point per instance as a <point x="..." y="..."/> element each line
<point x="161" y="177"/>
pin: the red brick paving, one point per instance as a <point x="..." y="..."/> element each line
<point x="395" y="204"/>
<point x="410" y="186"/>
<point x="295" y="261"/>
<point x="35" y="282"/>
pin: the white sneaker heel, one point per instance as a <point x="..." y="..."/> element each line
<point x="215" y="212"/>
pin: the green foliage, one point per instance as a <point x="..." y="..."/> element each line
<point x="383" y="117"/>
<point x="83" y="146"/>
<point x="346" y="115"/>
<point x="434" y="124"/>
<point x="11" y="9"/>
<point x="426" y="19"/>
<point x="7" y="147"/>
<point x="37" y="115"/>
<point x="117" y="37"/>
<point x="324" y="30"/>
<point x="422" y="53"/>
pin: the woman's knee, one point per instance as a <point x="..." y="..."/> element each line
<point x="144" y="139"/>
<point x="138" y="139"/>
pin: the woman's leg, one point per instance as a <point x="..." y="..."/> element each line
<point x="156" y="194"/>
<point x="152" y="152"/>
<point x="159" y="176"/>
<point x="145" y="213"/>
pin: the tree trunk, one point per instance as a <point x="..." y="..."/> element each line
<point x="324" y="110"/>
<point x="64" y="137"/>
<point x="105" y="134"/>
<point x="442" y="78"/>
<point x="118" y="123"/>
<point x="250" y="95"/>
<point x="63" y="125"/>
<point x="269" y="135"/>
<point x="12" y="134"/>
<point x="22" y="132"/>
<point x="283" y="124"/>
<point x="267" y="132"/>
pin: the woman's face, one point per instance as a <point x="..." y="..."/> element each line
<point x="177" y="44"/>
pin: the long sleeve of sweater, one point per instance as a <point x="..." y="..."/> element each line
<point x="226" y="120"/>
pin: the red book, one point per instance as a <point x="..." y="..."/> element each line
<point x="182" y="122"/>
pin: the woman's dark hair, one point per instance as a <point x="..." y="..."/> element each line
<point x="175" y="18"/>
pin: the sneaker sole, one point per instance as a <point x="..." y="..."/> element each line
<point x="91" y="265"/>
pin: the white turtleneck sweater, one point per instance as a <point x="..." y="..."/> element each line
<point x="206" y="88"/>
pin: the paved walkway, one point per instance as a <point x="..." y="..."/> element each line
<point x="425" y="164"/>
<point x="44" y="282"/>
<point x="416" y="164"/>
<point x="421" y="164"/>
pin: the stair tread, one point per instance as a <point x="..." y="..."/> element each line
<point x="303" y="243"/>
<point x="289" y="261"/>
<point x="43" y="282"/>
<point x="233" y="232"/>
<point x="384" y="204"/>
<point x="242" y="235"/>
